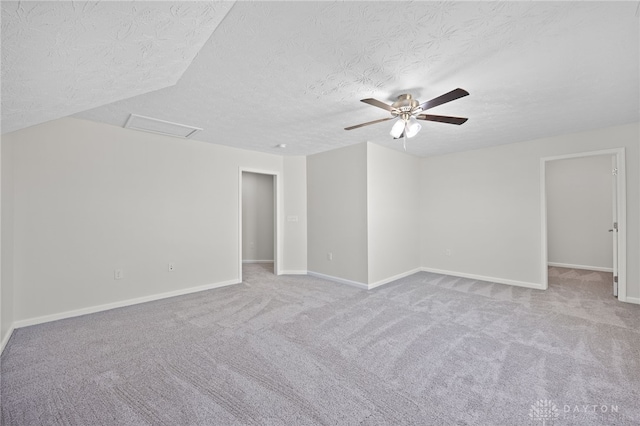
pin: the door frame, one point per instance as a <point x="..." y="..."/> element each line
<point x="277" y="228"/>
<point x="621" y="204"/>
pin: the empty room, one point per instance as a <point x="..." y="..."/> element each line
<point x="320" y="213"/>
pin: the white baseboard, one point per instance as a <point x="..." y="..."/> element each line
<point x="339" y="280"/>
<point x="293" y="272"/>
<point x="6" y="338"/>
<point x="363" y="285"/>
<point x="257" y="261"/>
<point x="483" y="278"/>
<point x="120" y="304"/>
<point x="587" y="268"/>
<point x="635" y="300"/>
<point x="395" y="277"/>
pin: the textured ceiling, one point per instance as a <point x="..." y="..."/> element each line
<point x="294" y="72"/>
<point x="59" y="58"/>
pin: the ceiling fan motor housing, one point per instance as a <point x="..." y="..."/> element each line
<point x="405" y="107"/>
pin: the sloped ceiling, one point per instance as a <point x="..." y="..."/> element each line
<point x="294" y="72"/>
<point x="60" y="58"/>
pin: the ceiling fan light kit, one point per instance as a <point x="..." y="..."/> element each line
<point x="397" y="129"/>
<point x="407" y="111"/>
<point x="412" y="127"/>
<point x="408" y="126"/>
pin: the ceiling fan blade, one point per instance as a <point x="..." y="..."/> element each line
<point x="368" y="123"/>
<point x="377" y="103"/>
<point x="443" y="99"/>
<point x="442" y="119"/>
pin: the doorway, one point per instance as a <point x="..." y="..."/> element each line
<point x="583" y="198"/>
<point x="258" y="221"/>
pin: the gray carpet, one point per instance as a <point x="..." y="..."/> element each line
<point x="427" y="349"/>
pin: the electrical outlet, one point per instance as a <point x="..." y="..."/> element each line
<point x="447" y="252"/>
<point x="172" y="267"/>
<point x="118" y="274"/>
<point x="329" y="256"/>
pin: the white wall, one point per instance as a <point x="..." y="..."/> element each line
<point x="579" y="212"/>
<point x="295" y="215"/>
<point x="485" y="206"/>
<point x="482" y="206"/>
<point x="363" y="207"/>
<point x="90" y="198"/>
<point x="258" y="224"/>
<point x="337" y="213"/>
<point x="6" y="220"/>
<point x="2" y="331"/>
<point x="393" y="219"/>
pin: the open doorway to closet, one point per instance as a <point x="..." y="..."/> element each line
<point x="258" y="222"/>
<point x="585" y="223"/>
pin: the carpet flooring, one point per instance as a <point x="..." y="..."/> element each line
<point x="427" y="349"/>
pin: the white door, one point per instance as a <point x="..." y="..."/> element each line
<point x="614" y="227"/>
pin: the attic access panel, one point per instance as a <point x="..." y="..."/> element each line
<point x="154" y="125"/>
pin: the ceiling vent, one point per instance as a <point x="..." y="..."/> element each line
<point x="153" y="125"/>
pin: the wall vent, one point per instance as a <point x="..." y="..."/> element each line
<point x="162" y="127"/>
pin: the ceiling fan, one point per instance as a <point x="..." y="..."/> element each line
<point x="408" y="110"/>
